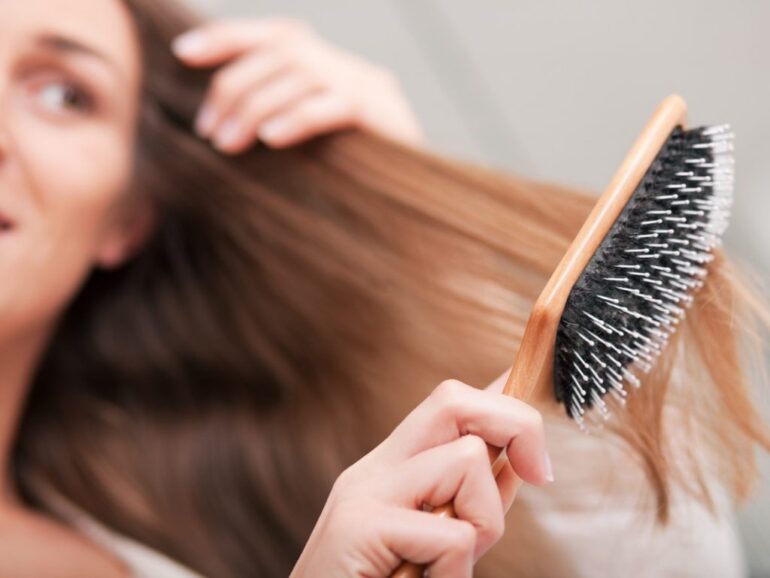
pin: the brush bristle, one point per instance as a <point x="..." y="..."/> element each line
<point x="640" y="281"/>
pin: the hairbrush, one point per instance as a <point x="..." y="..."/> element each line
<point x="627" y="279"/>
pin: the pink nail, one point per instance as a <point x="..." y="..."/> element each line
<point x="189" y="44"/>
<point x="204" y="122"/>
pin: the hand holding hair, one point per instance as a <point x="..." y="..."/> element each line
<point x="280" y="82"/>
<point x="372" y="519"/>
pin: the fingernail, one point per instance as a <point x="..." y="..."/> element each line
<point x="204" y="122"/>
<point x="228" y="135"/>
<point x="548" y="466"/>
<point x="189" y="44"/>
<point x="275" y="128"/>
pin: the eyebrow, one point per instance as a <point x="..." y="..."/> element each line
<point x="63" y="44"/>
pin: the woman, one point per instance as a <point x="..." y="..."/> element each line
<point x="198" y="341"/>
<point x="71" y="93"/>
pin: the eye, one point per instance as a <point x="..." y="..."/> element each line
<point x="58" y="93"/>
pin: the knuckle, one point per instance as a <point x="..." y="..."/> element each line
<point x="305" y="117"/>
<point x="450" y="397"/>
<point x="446" y="401"/>
<point x="345" y="514"/>
<point x="295" y="57"/>
<point x="285" y="56"/>
<point x="347" y="103"/>
<point x="222" y="84"/>
<point x="473" y="449"/>
<point x="449" y="390"/>
<point x="527" y="418"/>
<point x="343" y="482"/>
<point x="305" y="77"/>
<point x="348" y="107"/>
<point x="293" y="61"/>
<point x="313" y="78"/>
<point x="463" y="536"/>
<point x="533" y="419"/>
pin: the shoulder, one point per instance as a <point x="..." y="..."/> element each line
<point x="34" y="545"/>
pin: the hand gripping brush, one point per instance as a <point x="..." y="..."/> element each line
<point x="626" y="280"/>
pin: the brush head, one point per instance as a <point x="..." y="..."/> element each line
<point x="639" y="282"/>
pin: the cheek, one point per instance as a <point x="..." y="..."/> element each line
<point x="78" y="181"/>
<point x="72" y="180"/>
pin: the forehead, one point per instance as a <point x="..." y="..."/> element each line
<point x="104" y="25"/>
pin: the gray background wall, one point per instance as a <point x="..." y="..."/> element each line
<point x="559" y="90"/>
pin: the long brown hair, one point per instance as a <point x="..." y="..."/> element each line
<point x="289" y="309"/>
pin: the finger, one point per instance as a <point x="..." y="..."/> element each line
<point x="508" y="484"/>
<point x="230" y="84"/>
<point x="223" y="39"/>
<point x="318" y="114"/>
<point x="447" y="544"/>
<point x="240" y="127"/>
<point x="454" y="409"/>
<point x="459" y="471"/>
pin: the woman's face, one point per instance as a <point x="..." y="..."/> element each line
<point x="70" y="75"/>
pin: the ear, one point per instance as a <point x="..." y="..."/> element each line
<point x="127" y="233"/>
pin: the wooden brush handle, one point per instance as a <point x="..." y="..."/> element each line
<point x="531" y="375"/>
<point x="497" y="458"/>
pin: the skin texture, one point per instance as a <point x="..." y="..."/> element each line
<point x="67" y="135"/>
